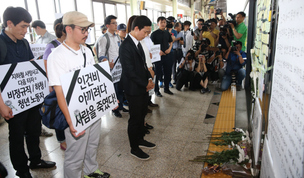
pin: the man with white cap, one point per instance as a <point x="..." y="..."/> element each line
<point x="70" y="56"/>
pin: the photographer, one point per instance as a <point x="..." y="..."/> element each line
<point x="225" y="37"/>
<point x="236" y="59"/>
<point x="211" y="32"/>
<point x="186" y="71"/>
<point x="187" y="37"/>
<point x="240" y="30"/>
<point x="201" y="75"/>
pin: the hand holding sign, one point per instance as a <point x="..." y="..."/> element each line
<point x="111" y="64"/>
<point x="74" y="131"/>
<point x="6" y="112"/>
<point x="150" y="85"/>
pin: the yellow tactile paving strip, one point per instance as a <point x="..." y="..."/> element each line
<point x="225" y="122"/>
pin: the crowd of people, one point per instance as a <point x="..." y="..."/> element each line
<point x="212" y="51"/>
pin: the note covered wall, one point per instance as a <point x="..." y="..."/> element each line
<point x="286" y="112"/>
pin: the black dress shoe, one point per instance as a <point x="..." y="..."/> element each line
<point x="117" y="113"/>
<point x="146" y="144"/>
<point x="125" y="110"/>
<point x="168" y="92"/>
<point x="158" y="94"/>
<point x="153" y="105"/>
<point x="140" y="154"/>
<point x="148" y="126"/>
<point x="43" y="164"/>
<point x="24" y="175"/>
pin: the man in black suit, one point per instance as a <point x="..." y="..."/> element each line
<point x="137" y="81"/>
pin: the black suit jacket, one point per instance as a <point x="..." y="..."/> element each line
<point x="135" y="73"/>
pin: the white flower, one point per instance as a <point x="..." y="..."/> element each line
<point x="232" y="144"/>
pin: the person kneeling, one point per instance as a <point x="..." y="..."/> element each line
<point x="201" y="75"/>
<point x="186" y="71"/>
<point x="236" y="59"/>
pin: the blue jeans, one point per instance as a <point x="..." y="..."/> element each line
<point x="241" y="73"/>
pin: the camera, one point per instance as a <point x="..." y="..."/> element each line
<point x="232" y="20"/>
<point x="219" y="52"/>
<point x="218" y="11"/>
<point x="234" y="48"/>
<point x="206" y="25"/>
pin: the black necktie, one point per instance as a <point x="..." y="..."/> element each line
<point x="141" y="51"/>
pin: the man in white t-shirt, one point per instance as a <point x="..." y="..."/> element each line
<point x="82" y="148"/>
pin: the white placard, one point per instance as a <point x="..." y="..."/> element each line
<point x="116" y="71"/>
<point x="155" y="50"/>
<point x="267" y="162"/>
<point x="286" y="110"/>
<point x="23" y="85"/>
<point x="38" y="50"/>
<point x="89" y="94"/>
<point x="256" y="129"/>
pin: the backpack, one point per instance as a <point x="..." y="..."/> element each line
<point x="3" y="49"/>
<point x="52" y="116"/>
<point x="55" y="46"/>
<point x="107" y="46"/>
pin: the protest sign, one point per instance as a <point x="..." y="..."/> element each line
<point x="23" y="85"/>
<point x="38" y="50"/>
<point x="116" y="71"/>
<point x="155" y="50"/>
<point x="89" y="94"/>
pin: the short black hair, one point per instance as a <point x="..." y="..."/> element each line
<point x="64" y="26"/>
<point x="238" y="43"/>
<point x="16" y="15"/>
<point x="192" y="53"/>
<point x="201" y="20"/>
<point x="187" y="23"/>
<point x="38" y="23"/>
<point x="161" y="18"/>
<point x="108" y="19"/>
<point x="241" y="13"/>
<point x="177" y="24"/>
<point x="141" y="22"/>
<point x="213" y="20"/>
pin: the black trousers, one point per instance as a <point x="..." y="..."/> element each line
<point x="119" y="95"/>
<point x="177" y="56"/>
<point x="138" y="106"/>
<point x="166" y="65"/>
<point x="26" y="124"/>
<point x="186" y="76"/>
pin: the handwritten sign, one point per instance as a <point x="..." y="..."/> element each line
<point x="116" y="71"/>
<point x="256" y="129"/>
<point x="155" y="50"/>
<point x="286" y="110"/>
<point x="38" y="50"/>
<point x="23" y="85"/>
<point x="89" y="94"/>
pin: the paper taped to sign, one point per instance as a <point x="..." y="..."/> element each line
<point x="38" y="50"/>
<point x="89" y="94"/>
<point x="116" y="71"/>
<point x="24" y="85"/>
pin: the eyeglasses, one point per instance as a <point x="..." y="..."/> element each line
<point x="114" y="23"/>
<point x="199" y="24"/>
<point x="84" y="30"/>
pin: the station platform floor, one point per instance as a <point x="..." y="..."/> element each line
<point x="180" y="127"/>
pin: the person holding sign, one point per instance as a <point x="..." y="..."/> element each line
<point x="136" y="81"/>
<point x="107" y="48"/>
<point x="70" y="56"/>
<point x="26" y="124"/>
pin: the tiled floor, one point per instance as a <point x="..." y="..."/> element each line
<point x="178" y="132"/>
